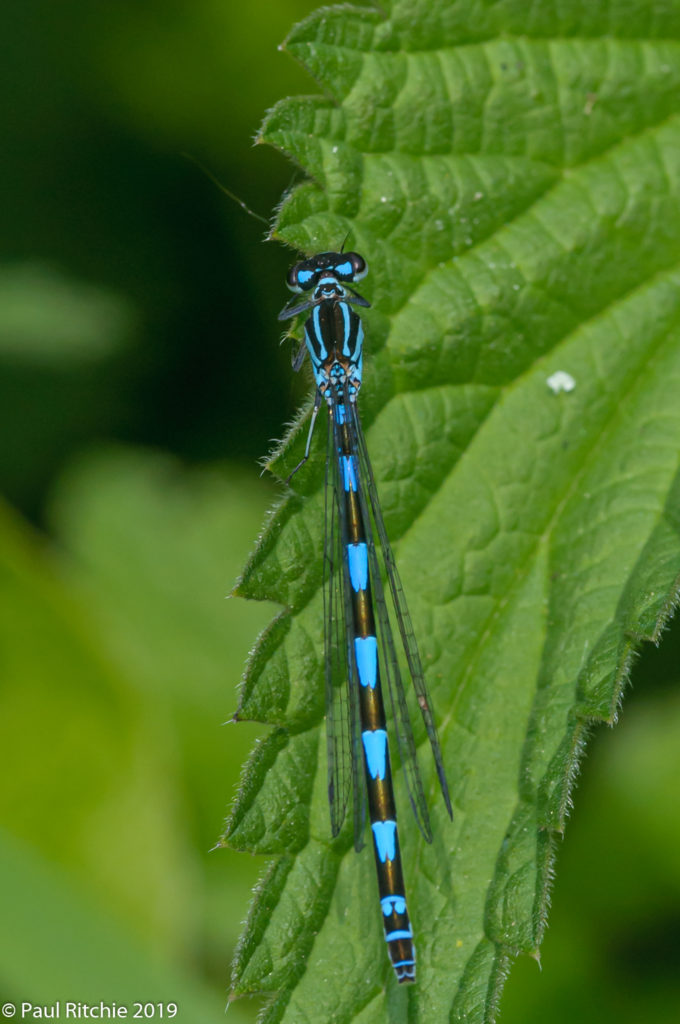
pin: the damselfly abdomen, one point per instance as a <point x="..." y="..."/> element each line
<point x="360" y="653"/>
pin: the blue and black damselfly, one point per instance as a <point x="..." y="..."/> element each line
<point x="360" y="649"/>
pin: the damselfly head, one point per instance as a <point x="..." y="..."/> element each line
<point x="343" y="266"/>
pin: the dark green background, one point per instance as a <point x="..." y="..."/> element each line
<point x="102" y="101"/>
<point x="141" y="381"/>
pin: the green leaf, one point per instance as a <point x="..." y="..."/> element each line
<point x="512" y="175"/>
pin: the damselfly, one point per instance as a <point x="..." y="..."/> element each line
<point x="360" y="650"/>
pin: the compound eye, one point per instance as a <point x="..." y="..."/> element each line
<point x="299" y="278"/>
<point x="343" y="269"/>
<point x="359" y="265"/>
<point x="291" y="279"/>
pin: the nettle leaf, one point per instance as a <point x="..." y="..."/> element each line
<point x="511" y="172"/>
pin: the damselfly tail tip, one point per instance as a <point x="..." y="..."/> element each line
<point x="406" y="973"/>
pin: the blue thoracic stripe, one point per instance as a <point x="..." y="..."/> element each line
<point x="357" y="557"/>
<point x="359" y="347"/>
<point x="346" y="350"/>
<point x="366" y="653"/>
<point x="375" y="747"/>
<point x="349" y="473"/>
<point x="404" y="933"/>
<point x="318" y="336"/>
<point x="385" y="835"/>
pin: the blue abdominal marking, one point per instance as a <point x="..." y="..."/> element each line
<point x="393" y="905"/>
<point x="385" y="835"/>
<point x="366" y="653"/>
<point x="375" y="749"/>
<point x="406" y="975"/>
<point x="357" y="556"/>
<point x="349" y="475"/>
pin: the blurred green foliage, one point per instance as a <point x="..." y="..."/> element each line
<point x="139" y="381"/>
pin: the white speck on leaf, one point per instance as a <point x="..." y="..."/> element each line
<point x="560" y="381"/>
